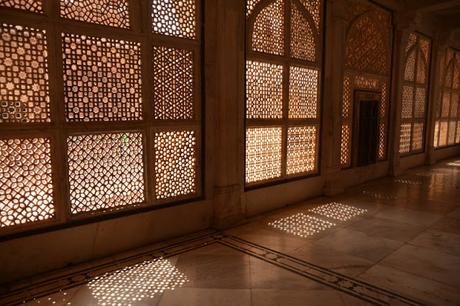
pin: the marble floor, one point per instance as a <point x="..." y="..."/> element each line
<point x="387" y="242"/>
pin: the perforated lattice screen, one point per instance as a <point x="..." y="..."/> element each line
<point x="100" y="105"/>
<point x="106" y="12"/>
<point x="414" y="98"/>
<point x="447" y="110"/>
<point x="282" y="88"/>
<point x="105" y="171"/>
<point x="268" y="29"/>
<point x="263" y="153"/>
<point x="264" y="90"/>
<point x="175" y="18"/>
<point x="302" y="37"/>
<point x="24" y="79"/>
<point x="303" y="92"/>
<point x="29" y="5"/>
<point x="173" y="83"/>
<point x="301" y="155"/>
<point x="106" y="86"/>
<point x="175" y="163"/>
<point x="367" y="68"/>
<point x="26" y="187"/>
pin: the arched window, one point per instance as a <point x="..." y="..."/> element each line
<point x="99" y="111"/>
<point x="414" y="94"/>
<point x="447" y="127"/>
<point x="282" y="88"/>
<point x="367" y="68"/>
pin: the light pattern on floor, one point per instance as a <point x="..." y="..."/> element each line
<point x="338" y="211"/>
<point x="301" y="225"/>
<point x="408" y="182"/>
<point x="379" y="195"/>
<point x="136" y="283"/>
<point x="454" y="163"/>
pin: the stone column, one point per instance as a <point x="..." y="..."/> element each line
<point x="332" y="99"/>
<point x="224" y="66"/>
<point x="404" y="23"/>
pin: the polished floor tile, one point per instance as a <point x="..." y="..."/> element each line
<point x="390" y="241"/>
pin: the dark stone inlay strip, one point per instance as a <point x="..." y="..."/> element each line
<point x="349" y="285"/>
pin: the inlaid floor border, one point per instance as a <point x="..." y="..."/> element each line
<point x="346" y="284"/>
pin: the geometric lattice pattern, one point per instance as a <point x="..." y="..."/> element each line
<point x="301" y="149"/>
<point x="301" y="225"/>
<point x="102" y="79"/>
<point x="136" y="284"/>
<point x="24" y="93"/>
<point x="106" y="171"/>
<point x="113" y="13"/>
<point x="417" y="136"/>
<point x="303" y="92"/>
<point x="414" y="93"/>
<point x="263" y="153"/>
<point x="354" y="81"/>
<point x="264" y="90"/>
<point x="368" y="43"/>
<point x="338" y="211"/>
<point x="452" y="130"/>
<point x="347" y="99"/>
<point x="405" y="138"/>
<point x="26" y="190"/>
<point x="313" y="7"/>
<point x="345" y="146"/>
<point x="409" y="72"/>
<point x="382" y="141"/>
<point x="447" y="111"/>
<point x="282" y="88"/>
<point x="303" y="39"/>
<point x="35" y="6"/>
<point x="250" y="5"/>
<point x="173" y="83"/>
<point x="367" y="67"/>
<point x="407" y="102"/>
<point x="175" y="164"/>
<point x="443" y="133"/>
<point x="268" y="32"/>
<point x="420" y="101"/>
<point x="174" y="18"/>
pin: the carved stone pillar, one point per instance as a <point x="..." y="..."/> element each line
<point x="224" y="47"/>
<point x="404" y="23"/>
<point x="332" y="100"/>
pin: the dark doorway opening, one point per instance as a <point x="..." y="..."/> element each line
<point x="366" y="129"/>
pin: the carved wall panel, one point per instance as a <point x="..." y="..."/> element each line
<point x="448" y="112"/>
<point x="106" y="97"/>
<point x="35" y="6"/>
<point x="26" y="185"/>
<point x="282" y="88"/>
<point x="24" y="78"/>
<point x="105" y="12"/>
<point x="106" y="171"/>
<point x="414" y="95"/>
<point x="367" y="64"/>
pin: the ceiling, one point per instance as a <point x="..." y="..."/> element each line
<point x="446" y="13"/>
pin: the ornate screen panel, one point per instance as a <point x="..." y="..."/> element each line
<point x="35" y="6"/>
<point x="109" y="13"/>
<point x="414" y="93"/>
<point x="282" y="89"/>
<point x="448" y="110"/>
<point x="367" y="67"/>
<point x="97" y="113"/>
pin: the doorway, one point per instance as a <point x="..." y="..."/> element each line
<point x="366" y="128"/>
